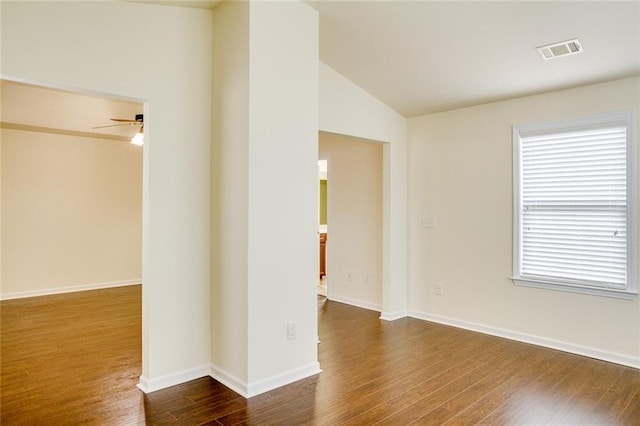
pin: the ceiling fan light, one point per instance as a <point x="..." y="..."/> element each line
<point x="138" y="139"/>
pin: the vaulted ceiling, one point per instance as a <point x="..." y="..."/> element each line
<point x="427" y="56"/>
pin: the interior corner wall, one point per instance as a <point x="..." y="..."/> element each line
<point x="72" y="212"/>
<point x="354" y="237"/>
<point x="461" y="172"/>
<point x="230" y="185"/>
<point x="347" y="109"/>
<point x="162" y="56"/>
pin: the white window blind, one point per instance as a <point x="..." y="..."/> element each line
<point x="573" y="207"/>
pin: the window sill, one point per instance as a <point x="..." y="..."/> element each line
<point x="613" y="293"/>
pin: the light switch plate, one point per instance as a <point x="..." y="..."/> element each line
<point x="428" y="221"/>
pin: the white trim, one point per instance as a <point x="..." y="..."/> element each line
<point x="517" y="213"/>
<point x="392" y="316"/>
<point x="632" y="218"/>
<point x="628" y="117"/>
<point x="279" y="380"/>
<point x="229" y="380"/>
<point x="151" y="385"/>
<point x="248" y="390"/>
<point x="70" y="289"/>
<point x="356" y="302"/>
<point x="590" y="352"/>
<point x="593" y="291"/>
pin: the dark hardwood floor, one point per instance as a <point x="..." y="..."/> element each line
<point x="75" y="359"/>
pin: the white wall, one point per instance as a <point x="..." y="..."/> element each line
<point x="283" y="188"/>
<point x="160" y="55"/>
<point x="229" y="201"/>
<point x="349" y="110"/>
<point x="354" y="238"/>
<point x="268" y="136"/>
<point x="461" y="172"/>
<point x="72" y="212"/>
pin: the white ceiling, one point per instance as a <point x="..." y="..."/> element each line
<point x="427" y="56"/>
<point x="418" y="56"/>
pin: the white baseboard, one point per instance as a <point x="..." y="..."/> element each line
<point x="248" y="390"/>
<point x="151" y="385"/>
<point x="355" y="302"/>
<point x="273" y="382"/>
<point x="70" y="289"/>
<point x="392" y="316"/>
<point x="229" y="380"/>
<point x="387" y="316"/>
<point x="532" y="339"/>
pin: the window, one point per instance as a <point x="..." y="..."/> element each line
<point x="574" y="205"/>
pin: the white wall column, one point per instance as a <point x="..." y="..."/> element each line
<point x="265" y="257"/>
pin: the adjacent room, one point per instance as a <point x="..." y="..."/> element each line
<point x="481" y="212"/>
<point x="72" y="192"/>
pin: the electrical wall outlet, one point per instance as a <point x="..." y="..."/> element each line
<point x="439" y="289"/>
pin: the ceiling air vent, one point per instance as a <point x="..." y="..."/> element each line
<point x="556" y="50"/>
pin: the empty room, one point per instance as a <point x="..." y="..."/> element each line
<point x="487" y="273"/>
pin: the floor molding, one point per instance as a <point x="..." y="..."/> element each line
<point x="532" y="339"/>
<point x="70" y="289"/>
<point x="229" y="380"/>
<point x="355" y="302"/>
<point x="279" y="380"/>
<point x="151" y="385"/>
<point x="392" y="316"/>
<point x="249" y="390"/>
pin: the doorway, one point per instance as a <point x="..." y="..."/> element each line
<point x="354" y="218"/>
<point x="322" y="226"/>
<point x="71" y="200"/>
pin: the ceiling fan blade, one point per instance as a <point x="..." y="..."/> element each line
<point x="133" y="123"/>
<point x="123" y="120"/>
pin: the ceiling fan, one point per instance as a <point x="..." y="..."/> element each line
<point x="138" y="139"/>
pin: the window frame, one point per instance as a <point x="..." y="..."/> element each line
<point x="628" y="118"/>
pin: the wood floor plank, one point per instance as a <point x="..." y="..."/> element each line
<point x="537" y="393"/>
<point x="391" y="394"/>
<point x="452" y="384"/>
<point x="403" y="376"/>
<point x="477" y="390"/>
<point x="631" y="412"/>
<point x="559" y="395"/>
<point x="584" y="392"/>
<point x="617" y="398"/>
<point x="502" y="393"/>
<point x="75" y="359"/>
